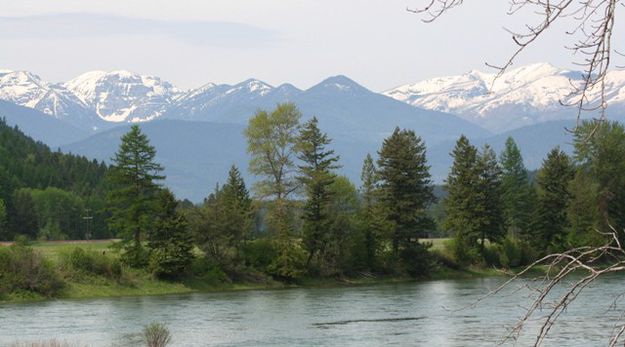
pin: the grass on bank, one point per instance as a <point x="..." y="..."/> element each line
<point x="100" y="279"/>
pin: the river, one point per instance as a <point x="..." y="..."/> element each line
<point x="406" y="314"/>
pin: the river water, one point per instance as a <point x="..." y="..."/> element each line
<point x="407" y="314"/>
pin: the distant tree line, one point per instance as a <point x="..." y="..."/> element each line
<point x="302" y="218"/>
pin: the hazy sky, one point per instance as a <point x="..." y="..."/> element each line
<point x="191" y="42"/>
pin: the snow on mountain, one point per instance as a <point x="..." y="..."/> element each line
<point x="227" y="101"/>
<point x="120" y="96"/>
<point x="27" y="89"/>
<point x="522" y="96"/>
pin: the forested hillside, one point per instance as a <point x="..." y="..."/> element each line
<point x="33" y="178"/>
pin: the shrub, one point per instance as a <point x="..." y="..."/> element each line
<point x="156" y="335"/>
<point x="417" y="259"/>
<point x="207" y="272"/>
<point x="259" y="254"/>
<point x="23" y="269"/>
<point x="90" y="262"/>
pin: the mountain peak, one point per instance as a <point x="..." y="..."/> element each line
<point x="340" y="83"/>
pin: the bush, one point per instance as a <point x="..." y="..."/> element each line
<point x="512" y="252"/>
<point x="417" y="260"/>
<point x="156" y="335"/>
<point x="94" y="263"/>
<point x="207" y="272"/>
<point x="463" y="253"/>
<point x="23" y="269"/>
<point x="259" y="254"/>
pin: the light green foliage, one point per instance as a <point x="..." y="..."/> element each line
<point x="133" y="199"/>
<point x="405" y="188"/>
<point x="22" y="269"/>
<point x="59" y="214"/>
<point x="271" y="139"/>
<point x="80" y="262"/>
<point x="156" y="335"/>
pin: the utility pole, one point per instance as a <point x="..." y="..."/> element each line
<point x="88" y="218"/>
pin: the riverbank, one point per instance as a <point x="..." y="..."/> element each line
<point x="140" y="283"/>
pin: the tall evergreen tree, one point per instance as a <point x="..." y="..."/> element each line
<point x="133" y="198"/>
<point x="489" y="209"/>
<point x="405" y="187"/>
<point x="462" y="205"/>
<point x="237" y="210"/>
<point x="553" y="180"/>
<point x="600" y="152"/>
<point x="515" y="186"/>
<point x="316" y="176"/>
<point x="170" y="242"/>
<point x="370" y="220"/>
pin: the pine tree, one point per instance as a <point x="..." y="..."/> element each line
<point x="489" y="186"/>
<point x="553" y="199"/>
<point x="170" y="242"/>
<point x="133" y="200"/>
<point x="370" y="218"/>
<point x="237" y="210"/>
<point x="405" y="187"/>
<point x="316" y="177"/>
<point x="25" y="214"/>
<point x="462" y="205"/>
<point x="515" y="186"/>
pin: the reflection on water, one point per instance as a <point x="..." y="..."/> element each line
<point x="384" y="315"/>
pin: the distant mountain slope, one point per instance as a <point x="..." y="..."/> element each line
<point x="535" y="141"/>
<point x="51" y="131"/>
<point x="524" y="96"/>
<point x="120" y="96"/>
<point x="344" y="108"/>
<point x="197" y="155"/>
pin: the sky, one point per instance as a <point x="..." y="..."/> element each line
<point x="192" y="42"/>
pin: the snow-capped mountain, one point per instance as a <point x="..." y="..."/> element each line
<point x="225" y="102"/>
<point x="120" y="96"/>
<point x="27" y="89"/>
<point x="523" y="96"/>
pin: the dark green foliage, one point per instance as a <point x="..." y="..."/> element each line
<point x="223" y="224"/>
<point x="366" y="251"/>
<point x="515" y="186"/>
<point x="550" y="222"/>
<point x="600" y="152"/>
<point x="81" y="262"/>
<point x="4" y="227"/>
<point x="490" y="214"/>
<point x="259" y="254"/>
<point x="24" y="214"/>
<point x="170" y="242"/>
<point x="58" y="213"/>
<point x="133" y="199"/>
<point x="583" y="211"/>
<point x="25" y="163"/>
<point x="462" y="205"/>
<point x="405" y="188"/>
<point x="316" y="176"/>
<point x="24" y="270"/>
